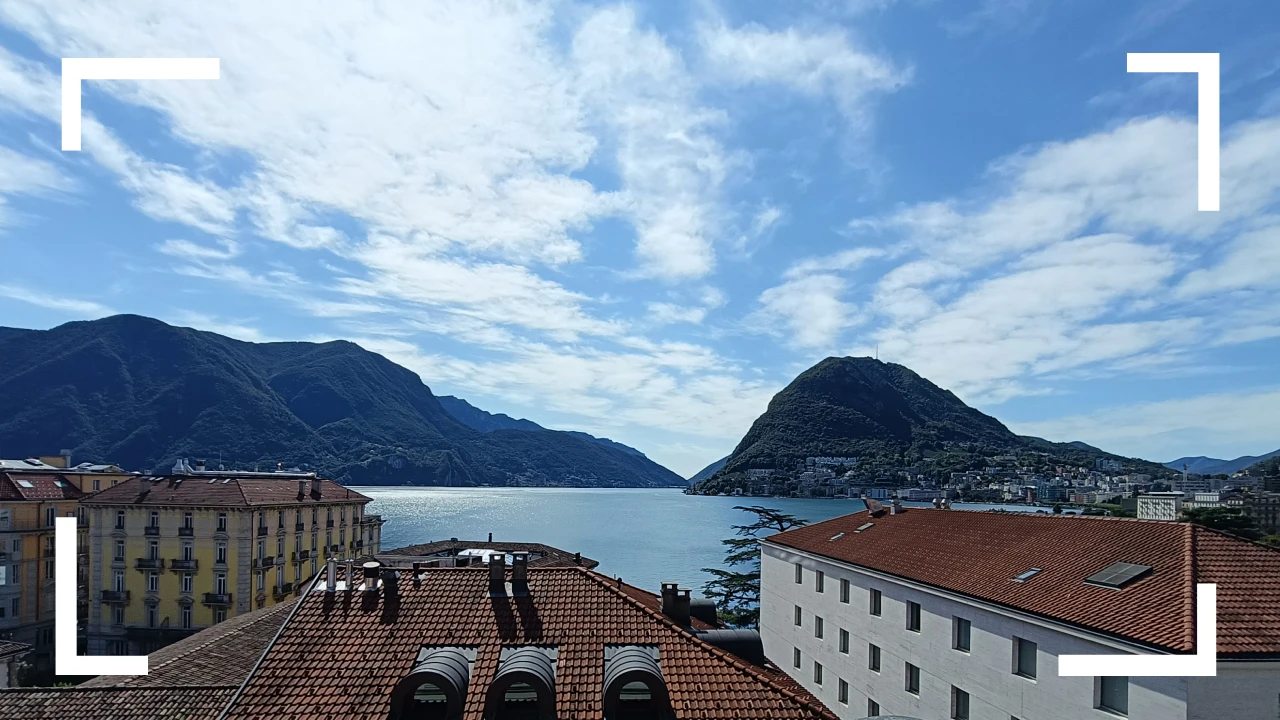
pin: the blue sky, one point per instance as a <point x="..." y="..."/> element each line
<point x="643" y="220"/>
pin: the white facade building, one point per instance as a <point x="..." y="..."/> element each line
<point x="867" y="642"/>
<point x="1160" y="506"/>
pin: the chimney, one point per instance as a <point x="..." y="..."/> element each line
<point x="946" y="503"/>
<point x="315" y="487"/>
<point x="66" y="457"/>
<point x="675" y="603"/>
<point x="520" y="573"/>
<point x="390" y="583"/>
<point x="330" y="575"/>
<point x="497" y="574"/>
<point x="897" y="507"/>
<point x="199" y="466"/>
<point x="490" y="537"/>
<point x="371" y="572"/>
<point x="577" y="558"/>
<point x="302" y="489"/>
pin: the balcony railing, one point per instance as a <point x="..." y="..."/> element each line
<point x="262" y="530"/>
<point x="151" y="531"/>
<point x="298" y="527"/>
<point x="282" y="591"/>
<point x="149" y="564"/>
<point x="115" y="596"/>
<point x="186" y="532"/>
<point x="184" y="564"/>
<point x="263" y="563"/>
<point x="301" y="555"/>
<point x="217" y="598"/>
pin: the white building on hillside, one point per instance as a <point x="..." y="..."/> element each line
<point x="953" y="614"/>
<point x="1160" y="506"/>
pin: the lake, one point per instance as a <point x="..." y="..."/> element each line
<point x="646" y="536"/>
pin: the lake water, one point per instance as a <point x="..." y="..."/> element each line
<point x="644" y="536"/>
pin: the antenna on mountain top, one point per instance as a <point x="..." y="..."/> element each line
<point x="877" y="351"/>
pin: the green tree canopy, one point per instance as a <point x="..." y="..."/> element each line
<point x="736" y="587"/>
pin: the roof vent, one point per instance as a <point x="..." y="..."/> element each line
<point x="633" y="682"/>
<point x="1026" y="575"/>
<point x="1118" y="575"/>
<point x="525" y="682"/>
<point x="745" y="644"/>
<point x="436" y="686"/>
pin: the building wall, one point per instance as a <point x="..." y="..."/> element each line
<point x="1240" y="690"/>
<point x="267" y="560"/>
<point x="27" y="594"/>
<point x="1159" y="508"/>
<point x="985" y="672"/>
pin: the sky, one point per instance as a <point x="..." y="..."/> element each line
<point x="643" y="220"/>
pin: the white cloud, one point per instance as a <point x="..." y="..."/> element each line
<point x="74" y="307"/>
<point x="1225" y="425"/>
<point x="809" y="311"/>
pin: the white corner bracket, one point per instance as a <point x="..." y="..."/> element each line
<point x="1204" y="663"/>
<point x="1208" y="135"/>
<point x="66" y="662"/>
<point x="75" y="70"/>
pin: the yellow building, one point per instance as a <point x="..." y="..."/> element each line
<point x="172" y="554"/>
<point x="31" y="496"/>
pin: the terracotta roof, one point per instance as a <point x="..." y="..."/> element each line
<point x="340" y="655"/>
<point x="109" y="703"/>
<point x="977" y="554"/>
<point x="539" y="555"/>
<point x="218" y="655"/>
<point x="9" y="648"/>
<point x="14" y="486"/>
<point x="211" y="490"/>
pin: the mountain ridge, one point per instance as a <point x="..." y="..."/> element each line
<point x="1202" y="465"/>
<point x="139" y="392"/>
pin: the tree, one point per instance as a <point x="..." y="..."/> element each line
<point x="1227" y="519"/>
<point x="736" y="588"/>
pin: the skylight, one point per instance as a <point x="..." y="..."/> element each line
<point x="25" y="483"/>
<point x="864" y="526"/>
<point x="835" y="537"/>
<point x="1026" y="575"/>
<point x="1118" y="575"/>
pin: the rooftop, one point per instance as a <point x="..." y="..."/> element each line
<point x="225" y="489"/>
<point x="36" y="486"/>
<point x="539" y="555"/>
<point x="9" y="648"/>
<point x="980" y="555"/>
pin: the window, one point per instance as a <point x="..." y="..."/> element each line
<point x="155" y="519"/>
<point x="842" y="693"/>
<point x="153" y="582"/>
<point x="913" y="616"/>
<point x="1113" y="695"/>
<point x="875" y="602"/>
<point x="819" y="581"/>
<point x="151" y="615"/>
<point x="119" y="550"/>
<point x="913" y="679"/>
<point x="49" y="515"/>
<point x="117" y="581"/>
<point x="262" y="549"/>
<point x="219" y="614"/>
<point x="220" y="584"/>
<point x="844" y="591"/>
<point x="961" y="629"/>
<point x="220" y="554"/>
<point x="97" y="483"/>
<point x="844" y="641"/>
<point x="186" y="582"/>
<point x="959" y="704"/>
<point x="186" y="617"/>
<point x="5" y="519"/>
<point x="280" y="520"/>
<point x="873" y="657"/>
<point x="873" y="708"/>
<point x="799" y="616"/>
<point x="817" y="672"/>
<point x="222" y="522"/>
<point x="799" y="574"/>
<point x="117" y="614"/>
<point x="188" y="551"/>
<point x="795" y="657"/>
<point x="187" y="520"/>
<point x="48" y="569"/>
<point x="1024" y="658"/>
<point x="817" y="626"/>
<point x="119" y="519"/>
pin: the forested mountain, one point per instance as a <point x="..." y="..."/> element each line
<point x="140" y="393"/>
<point x="1202" y="465"/>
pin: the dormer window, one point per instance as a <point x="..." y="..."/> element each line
<point x="436" y="687"/>
<point x="634" y="688"/>
<point x="524" y="688"/>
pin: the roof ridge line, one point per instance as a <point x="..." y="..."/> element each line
<point x="734" y="661"/>
<point x="1189" y="630"/>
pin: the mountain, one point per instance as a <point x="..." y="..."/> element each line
<point x="140" y="393"/>
<point x="889" y="418"/>
<point x="477" y="419"/>
<point x="1201" y="465"/>
<point x="708" y="471"/>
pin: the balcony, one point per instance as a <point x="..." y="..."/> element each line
<point x="115" y="597"/>
<point x="335" y="548"/>
<point x="283" y="591"/>
<point x="371" y="520"/>
<point x="186" y="532"/>
<point x="184" y="564"/>
<point x="301" y="555"/>
<point x="262" y="531"/>
<point x="149" y="564"/>
<point x="151" y="531"/>
<point x="217" y="598"/>
<point x="263" y="563"/>
<point x="298" y="527"/>
<point x="328" y="523"/>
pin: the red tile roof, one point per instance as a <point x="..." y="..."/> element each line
<point x="112" y="703"/>
<point x="339" y="656"/>
<point x="222" y="491"/>
<point x="977" y="554"/>
<point x="13" y="486"/>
